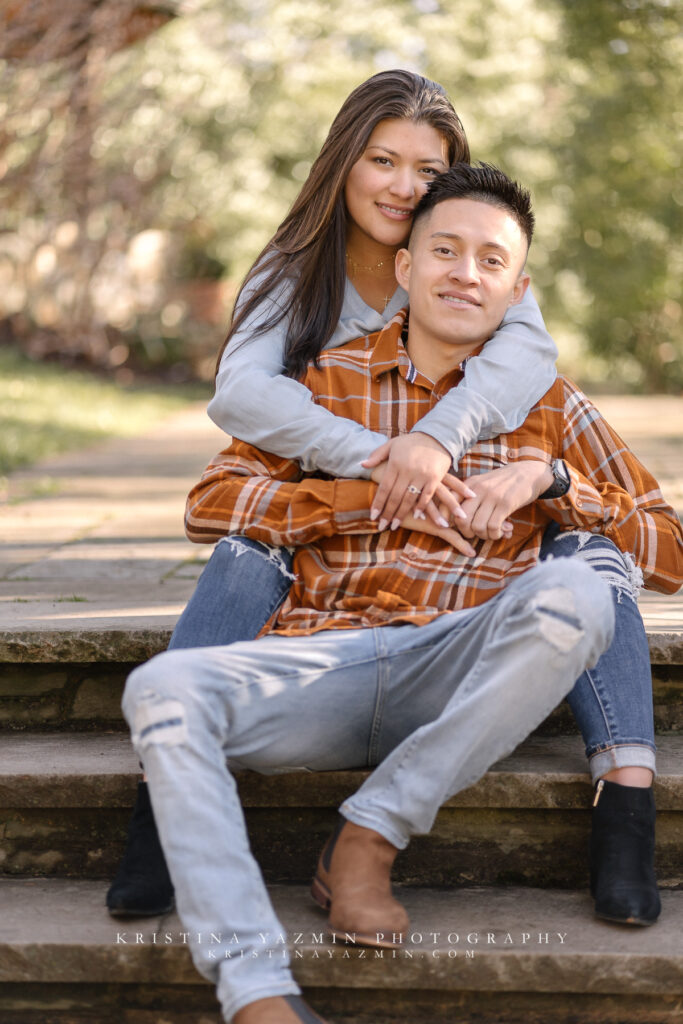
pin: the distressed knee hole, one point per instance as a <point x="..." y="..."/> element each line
<point x="617" y="568"/>
<point x="557" y="618"/>
<point x="158" y="721"/>
<point x="271" y="555"/>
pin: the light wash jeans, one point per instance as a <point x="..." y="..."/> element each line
<point x="245" y="581"/>
<point x="432" y="706"/>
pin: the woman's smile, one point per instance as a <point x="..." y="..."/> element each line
<point x="396" y="212"/>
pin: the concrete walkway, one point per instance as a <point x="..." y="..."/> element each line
<point x="94" y="540"/>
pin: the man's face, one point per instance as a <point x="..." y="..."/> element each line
<point x="462" y="271"/>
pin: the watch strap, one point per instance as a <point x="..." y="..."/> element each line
<point x="561" y="481"/>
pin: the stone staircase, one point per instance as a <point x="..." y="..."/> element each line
<point x="502" y="920"/>
<point x="94" y="570"/>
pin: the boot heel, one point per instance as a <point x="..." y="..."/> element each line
<point x="321" y="894"/>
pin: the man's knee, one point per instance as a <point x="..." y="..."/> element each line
<point x="574" y="604"/>
<point x="154" y="700"/>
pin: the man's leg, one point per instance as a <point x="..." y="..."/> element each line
<point x="499" y="672"/>
<point x="241" y="586"/>
<point x="460" y="694"/>
<point x="187" y="711"/>
<point x="612" y="705"/>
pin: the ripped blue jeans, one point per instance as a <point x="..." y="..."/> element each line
<point x="245" y="582"/>
<point x="431" y="706"/>
<point x="612" y="702"/>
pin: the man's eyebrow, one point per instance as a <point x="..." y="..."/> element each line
<point x="458" y="238"/>
<point x="421" y="160"/>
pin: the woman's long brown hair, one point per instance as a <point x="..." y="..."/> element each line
<point x="308" y="250"/>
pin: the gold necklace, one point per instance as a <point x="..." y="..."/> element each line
<point x="357" y="267"/>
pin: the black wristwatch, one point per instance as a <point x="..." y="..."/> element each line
<point x="561" y="480"/>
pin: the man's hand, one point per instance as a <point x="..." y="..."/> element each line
<point x="501" y="492"/>
<point x="455" y="539"/>
<point x="416" y="461"/>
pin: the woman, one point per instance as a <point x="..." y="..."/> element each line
<point x="326" y="277"/>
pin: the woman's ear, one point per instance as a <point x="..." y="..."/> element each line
<point x="402" y="268"/>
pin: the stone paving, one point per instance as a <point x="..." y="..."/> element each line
<point x="94" y="540"/>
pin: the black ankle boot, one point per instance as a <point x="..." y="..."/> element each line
<point x="623" y="881"/>
<point x="142" y="887"/>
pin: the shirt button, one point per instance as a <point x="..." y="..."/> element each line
<point x="579" y="503"/>
<point x="512" y="452"/>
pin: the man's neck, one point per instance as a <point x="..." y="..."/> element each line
<point x="433" y="358"/>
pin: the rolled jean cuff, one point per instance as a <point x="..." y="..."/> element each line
<point x="623" y="755"/>
<point x="386" y="829"/>
<point x="263" y="991"/>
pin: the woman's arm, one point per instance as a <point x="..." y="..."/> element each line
<point x="256" y="403"/>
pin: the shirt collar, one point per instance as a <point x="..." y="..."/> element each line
<point x="389" y="353"/>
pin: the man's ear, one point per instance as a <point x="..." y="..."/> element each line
<point x="402" y="268"/>
<point x="520" y="288"/>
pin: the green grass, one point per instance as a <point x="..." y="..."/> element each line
<point x="45" y="409"/>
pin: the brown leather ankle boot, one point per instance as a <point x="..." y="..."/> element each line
<point x="353" y="882"/>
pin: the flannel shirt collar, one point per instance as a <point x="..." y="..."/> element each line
<point x="390" y="353"/>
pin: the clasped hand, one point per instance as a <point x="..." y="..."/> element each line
<point x="417" y="491"/>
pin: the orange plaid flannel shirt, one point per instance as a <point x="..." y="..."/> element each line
<point x="349" y="575"/>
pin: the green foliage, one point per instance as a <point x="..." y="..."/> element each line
<point x="45" y="410"/>
<point x="626" y="202"/>
<point x="192" y="144"/>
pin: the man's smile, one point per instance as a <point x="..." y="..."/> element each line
<point x="458" y="299"/>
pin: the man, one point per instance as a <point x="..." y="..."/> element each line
<point x="396" y="648"/>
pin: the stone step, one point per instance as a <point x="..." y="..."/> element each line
<point x="65" y="803"/>
<point x="500" y="956"/>
<point x="92" y="643"/>
<point x="81" y="696"/>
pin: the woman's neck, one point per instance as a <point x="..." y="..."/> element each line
<point x="364" y="251"/>
<point x="370" y="268"/>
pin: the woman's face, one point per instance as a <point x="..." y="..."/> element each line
<point x="386" y="182"/>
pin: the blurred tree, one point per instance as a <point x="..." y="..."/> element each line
<point x="54" y="198"/>
<point x="134" y="233"/>
<point x="621" y="169"/>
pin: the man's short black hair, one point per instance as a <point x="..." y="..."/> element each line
<point x="484" y="183"/>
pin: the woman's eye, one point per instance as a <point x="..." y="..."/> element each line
<point x="384" y="160"/>
<point x="431" y="170"/>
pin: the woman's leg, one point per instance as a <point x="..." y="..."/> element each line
<point x="241" y="586"/>
<point x="612" y="704"/>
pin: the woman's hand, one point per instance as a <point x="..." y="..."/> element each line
<point x="415" y="471"/>
<point x="501" y="492"/>
<point x="438" y="526"/>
